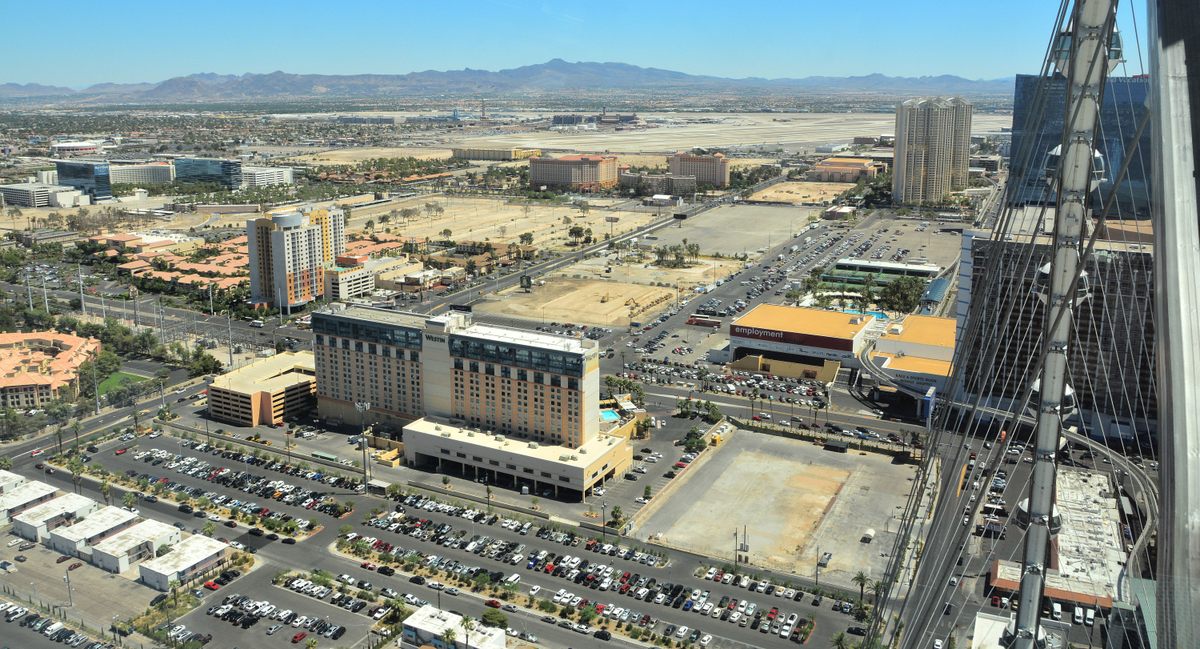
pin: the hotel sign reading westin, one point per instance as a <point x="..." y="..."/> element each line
<point x="792" y="338"/>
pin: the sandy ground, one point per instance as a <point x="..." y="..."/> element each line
<point x="769" y="131"/>
<point x="702" y="271"/>
<point x="801" y="192"/>
<point x="782" y="517"/>
<point x="734" y="229"/>
<point x="795" y="499"/>
<point x="592" y="302"/>
<point x="358" y="154"/>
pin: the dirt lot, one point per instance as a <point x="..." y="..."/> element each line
<point x="796" y="499"/>
<point x="734" y="229"/>
<point x="355" y="155"/>
<point x="703" y="271"/>
<point x="592" y="302"/>
<point x="797" y="193"/>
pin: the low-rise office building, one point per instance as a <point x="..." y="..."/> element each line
<point x="23" y="496"/>
<point x="485" y="153"/>
<point x="264" y="176"/>
<point x="265" y="391"/>
<point x="916" y="352"/>
<point x="43" y="195"/>
<point x="515" y="463"/>
<point x="427" y="627"/>
<point x="194" y="556"/>
<point x="36" y="523"/>
<point x="798" y="335"/>
<point x="138" y="543"/>
<point x="77" y="540"/>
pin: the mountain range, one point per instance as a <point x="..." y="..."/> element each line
<point x="555" y="76"/>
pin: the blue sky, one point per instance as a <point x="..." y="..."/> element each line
<point x="79" y="43"/>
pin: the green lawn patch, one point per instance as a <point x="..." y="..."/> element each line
<point x="116" y="378"/>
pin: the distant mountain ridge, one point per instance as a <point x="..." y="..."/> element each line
<point x="553" y="76"/>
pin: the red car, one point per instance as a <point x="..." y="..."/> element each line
<point x="367" y="565"/>
<point x="212" y="585"/>
<point x="122" y="451"/>
<point x="298" y="637"/>
<point x="773" y="613"/>
<point x="493" y="603"/>
<point x="62" y="559"/>
<point x="996" y="600"/>
<point x="74" y="565"/>
<point x="36" y="452"/>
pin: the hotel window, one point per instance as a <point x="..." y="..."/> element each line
<point x="556" y="381"/>
<point x="522" y="375"/>
<point x="474" y="366"/>
<point x="458" y="364"/>
<point x="572" y="384"/>
<point x="538" y="378"/>
<point x="414" y="356"/>
<point x="505" y="372"/>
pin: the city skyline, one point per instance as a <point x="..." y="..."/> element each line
<point x="505" y="36"/>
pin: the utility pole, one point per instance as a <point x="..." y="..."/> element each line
<point x="1090" y="30"/>
<point x="82" y="304"/>
<point x="362" y="407"/>
<point x="229" y="326"/>
<point x="45" y="298"/>
<point x="136" y="314"/>
<point x="210" y="301"/>
<point x="70" y="593"/>
<point x="28" y="291"/>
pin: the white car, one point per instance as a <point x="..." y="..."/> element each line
<point x="534" y="590"/>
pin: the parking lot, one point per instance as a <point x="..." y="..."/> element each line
<point x="41" y="576"/>
<point x="724" y="229"/>
<point x="794" y="499"/>
<point x="29" y="629"/>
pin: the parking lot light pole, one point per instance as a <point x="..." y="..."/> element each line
<point x="362" y="407"/>
<point x="603" y="524"/>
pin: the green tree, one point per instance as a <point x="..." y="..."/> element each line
<point x="448" y="637"/>
<point x="468" y="624"/>
<point x="646" y="492"/>
<point x="106" y="491"/>
<point x="616" y="515"/>
<point x="840" y="641"/>
<point x="5" y="463"/>
<point x="493" y="617"/>
<point x="902" y="294"/>
<point x="208" y="528"/>
<point x="129" y="499"/>
<point x="526" y="238"/>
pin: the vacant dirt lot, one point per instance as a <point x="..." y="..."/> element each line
<point x="796" y="500"/>
<point x="702" y="271"/>
<point x="801" y="192"/>
<point x="355" y="155"/>
<point x="592" y="302"/>
<point x="736" y="229"/>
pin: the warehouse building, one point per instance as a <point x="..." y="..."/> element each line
<point x="77" y="540"/>
<point x="499" y="154"/>
<point x="193" y="557"/>
<point x="138" y="543"/>
<point x="23" y="496"/>
<point x="265" y="391"/>
<point x="36" y="523"/>
<point x="797" y="341"/>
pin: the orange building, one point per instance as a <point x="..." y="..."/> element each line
<point x="265" y="391"/>
<point x="41" y="366"/>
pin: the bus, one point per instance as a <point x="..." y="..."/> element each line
<point x="994" y="510"/>
<point x="328" y="457"/>
<point x="256" y="323"/>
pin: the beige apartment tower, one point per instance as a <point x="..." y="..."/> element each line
<point x="289" y="251"/>
<point x="933" y="147"/>
<point x="575" y="172"/>
<point x="708" y="169"/>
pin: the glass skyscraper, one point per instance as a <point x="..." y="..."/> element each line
<point x="209" y="170"/>
<point x="90" y="177"/>
<point x="1039" y="128"/>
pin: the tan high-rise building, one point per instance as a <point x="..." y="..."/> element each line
<point x="579" y="172"/>
<point x="289" y="251"/>
<point x="708" y="169"/>
<point x="933" y="147"/>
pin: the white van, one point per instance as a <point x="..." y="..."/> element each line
<point x="1078" y="617"/>
<point x="1089" y="618"/>
<point x="1056" y="611"/>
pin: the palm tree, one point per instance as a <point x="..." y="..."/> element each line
<point x="5" y="463"/>
<point x="448" y="637"/>
<point x="129" y="499"/>
<point x="58" y="432"/>
<point x="467" y="623"/>
<point x="106" y="491"/>
<point x="878" y="587"/>
<point x="841" y="641"/>
<point x="861" y="579"/>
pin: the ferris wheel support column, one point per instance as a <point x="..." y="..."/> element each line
<point x="1090" y="29"/>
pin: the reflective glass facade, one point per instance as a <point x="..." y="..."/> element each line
<point x="209" y="170"/>
<point x="538" y="360"/>
<point x="369" y="332"/>
<point x="1040" y="129"/>
<point x="90" y="177"/>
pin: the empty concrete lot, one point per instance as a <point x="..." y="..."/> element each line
<point x="795" y="500"/>
<point x="735" y="229"/>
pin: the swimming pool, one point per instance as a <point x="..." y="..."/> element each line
<point x="607" y="415"/>
<point x="878" y="315"/>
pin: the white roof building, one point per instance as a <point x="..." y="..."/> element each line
<point x="194" y="556"/>
<point x="77" y="539"/>
<point x="9" y="480"/>
<point x="23" y="496"/>
<point x="36" y="522"/>
<point x="116" y="553"/>
<point x="427" y="624"/>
